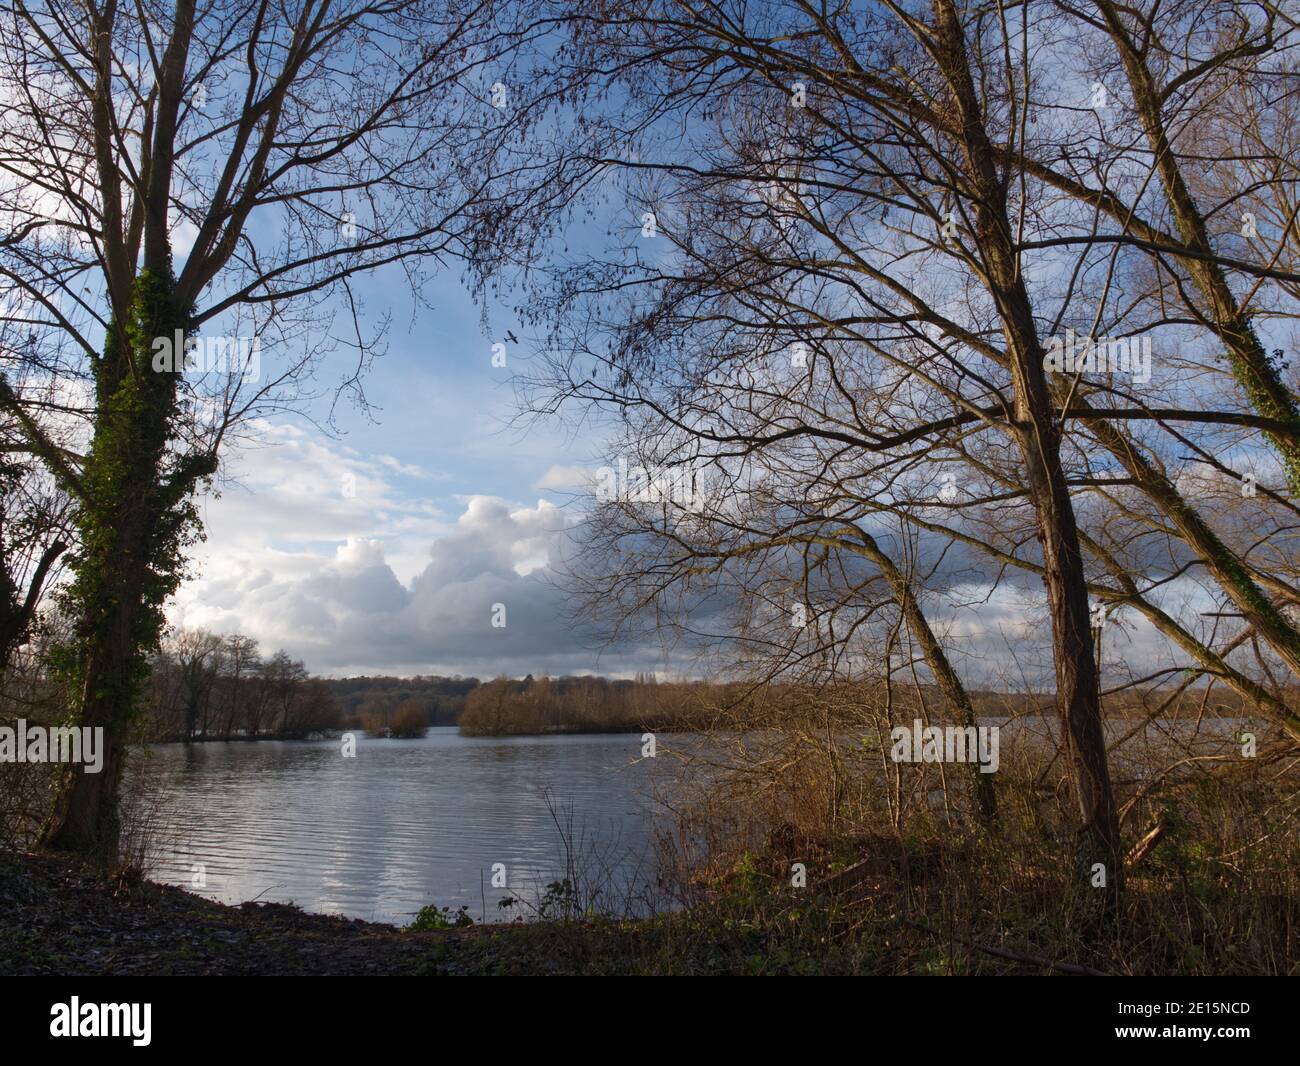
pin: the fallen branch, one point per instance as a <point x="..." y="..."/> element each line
<point x="1145" y="845"/>
<point x="1012" y="956"/>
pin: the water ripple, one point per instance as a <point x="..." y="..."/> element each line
<point x="404" y="824"/>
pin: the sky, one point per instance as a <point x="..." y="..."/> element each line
<point x="381" y="540"/>
<point x="389" y="541"/>
<point x="384" y="544"/>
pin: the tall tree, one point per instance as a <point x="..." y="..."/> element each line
<point x="225" y="169"/>
<point x="876" y="230"/>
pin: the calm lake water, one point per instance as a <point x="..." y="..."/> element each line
<point x="413" y="822"/>
<point x="404" y="824"/>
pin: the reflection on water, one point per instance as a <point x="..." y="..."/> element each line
<point x="412" y="822"/>
<point x="404" y="824"/>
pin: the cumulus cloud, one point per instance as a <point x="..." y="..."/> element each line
<point x="353" y="563"/>
<point x="300" y="556"/>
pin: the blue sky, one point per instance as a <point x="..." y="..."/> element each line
<point x="384" y="546"/>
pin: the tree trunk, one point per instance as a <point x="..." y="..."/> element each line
<point x="85" y="818"/>
<point x="1037" y="435"/>
<point x="133" y="519"/>
<point x="16" y="618"/>
<point x="1259" y="379"/>
<point x="937" y="660"/>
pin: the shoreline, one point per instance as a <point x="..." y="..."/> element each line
<point x="65" y="918"/>
<point x="338" y="734"/>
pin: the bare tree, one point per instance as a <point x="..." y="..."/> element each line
<point x="243" y="664"/>
<point x="199" y="657"/>
<point x="225" y="170"/>
<point x="880" y="233"/>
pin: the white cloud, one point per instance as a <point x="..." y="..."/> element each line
<point x="567" y="479"/>
<point x="297" y="562"/>
<point x="346" y="561"/>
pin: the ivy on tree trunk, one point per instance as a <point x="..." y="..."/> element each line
<point x="136" y="515"/>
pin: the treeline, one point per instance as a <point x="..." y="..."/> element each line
<point x="506" y="706"/>
<point x="210" y="686"/>
<point x="206" y="686"/>
<point x="398" y="704"/>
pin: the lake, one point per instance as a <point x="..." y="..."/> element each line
<point x="413" y="822"/>
<point x="403" y="824"/>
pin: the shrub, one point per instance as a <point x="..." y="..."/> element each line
<point x="410" y="719"/>
<point x="433" y="917"/>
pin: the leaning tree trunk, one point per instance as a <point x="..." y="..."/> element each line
<point x="937" y="660"/>
<point x="1259" y="377"/>
<point x="16" y="617"/>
